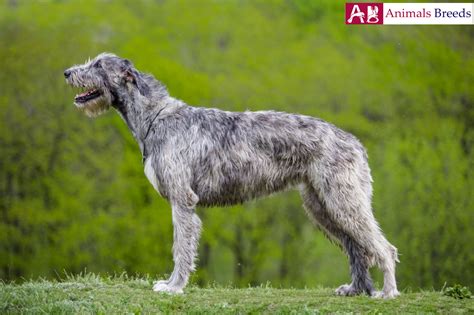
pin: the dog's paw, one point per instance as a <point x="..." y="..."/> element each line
<point x="166" y="287"/>
<point x="386" y="295"/>
<point x="346" y="290"/>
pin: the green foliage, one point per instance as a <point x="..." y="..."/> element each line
<point x="89" y="293"/>
<point x="72" y="191"/>
<point x="458" y="292"/>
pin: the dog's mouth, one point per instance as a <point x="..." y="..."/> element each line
<point x="87" y="96"/>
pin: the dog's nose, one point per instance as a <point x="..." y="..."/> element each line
<point x="67" y="73"/>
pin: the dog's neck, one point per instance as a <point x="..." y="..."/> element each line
<point x="141" y="119"/>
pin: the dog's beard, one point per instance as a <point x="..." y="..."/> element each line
<point x="94" y="107"/>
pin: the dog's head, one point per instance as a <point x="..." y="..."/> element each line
<point x="104" y="81"/>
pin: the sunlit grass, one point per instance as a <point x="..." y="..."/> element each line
<point x="90" y="293"/>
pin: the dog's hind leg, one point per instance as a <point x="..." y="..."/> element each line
<point x="359" y="262"/>
<point x="346" y="196"/>
<point x="187" y="228"/>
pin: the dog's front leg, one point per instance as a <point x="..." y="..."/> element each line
<point x="187" y="228"/>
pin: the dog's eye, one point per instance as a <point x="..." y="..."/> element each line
<point x="97" y="65"/>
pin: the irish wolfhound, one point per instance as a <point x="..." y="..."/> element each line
<point x="196" y="156"/>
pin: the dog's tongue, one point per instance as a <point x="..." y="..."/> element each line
<point x="86" y="93"/>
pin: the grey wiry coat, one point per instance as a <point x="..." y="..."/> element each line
<point x="199" y="156"/>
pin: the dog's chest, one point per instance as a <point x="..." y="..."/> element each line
<point x="151" y="175"/>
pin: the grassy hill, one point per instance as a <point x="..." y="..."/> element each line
<point x="114" y="295"/>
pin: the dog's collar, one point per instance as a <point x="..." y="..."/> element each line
<point x="145" y="153"/>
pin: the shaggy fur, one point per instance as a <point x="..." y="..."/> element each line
<point x="196" y="156"/>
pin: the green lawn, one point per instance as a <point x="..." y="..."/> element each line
<point x="93" y="294"/>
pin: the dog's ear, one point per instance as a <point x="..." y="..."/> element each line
<point x="133" y="76"/>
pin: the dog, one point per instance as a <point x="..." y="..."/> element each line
<point x="196" y="156"/>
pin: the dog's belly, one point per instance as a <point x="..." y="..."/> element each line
<point x="230" y="192"/>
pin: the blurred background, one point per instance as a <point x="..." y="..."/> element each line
<point x="73" y="195"/>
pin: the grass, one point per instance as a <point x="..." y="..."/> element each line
<point x="123" y="295"/>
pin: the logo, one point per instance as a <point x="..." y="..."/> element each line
<point x="367" y="13"/>
<point x="364" y="13"/>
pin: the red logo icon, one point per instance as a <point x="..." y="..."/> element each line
<point x="364" y="13"/>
